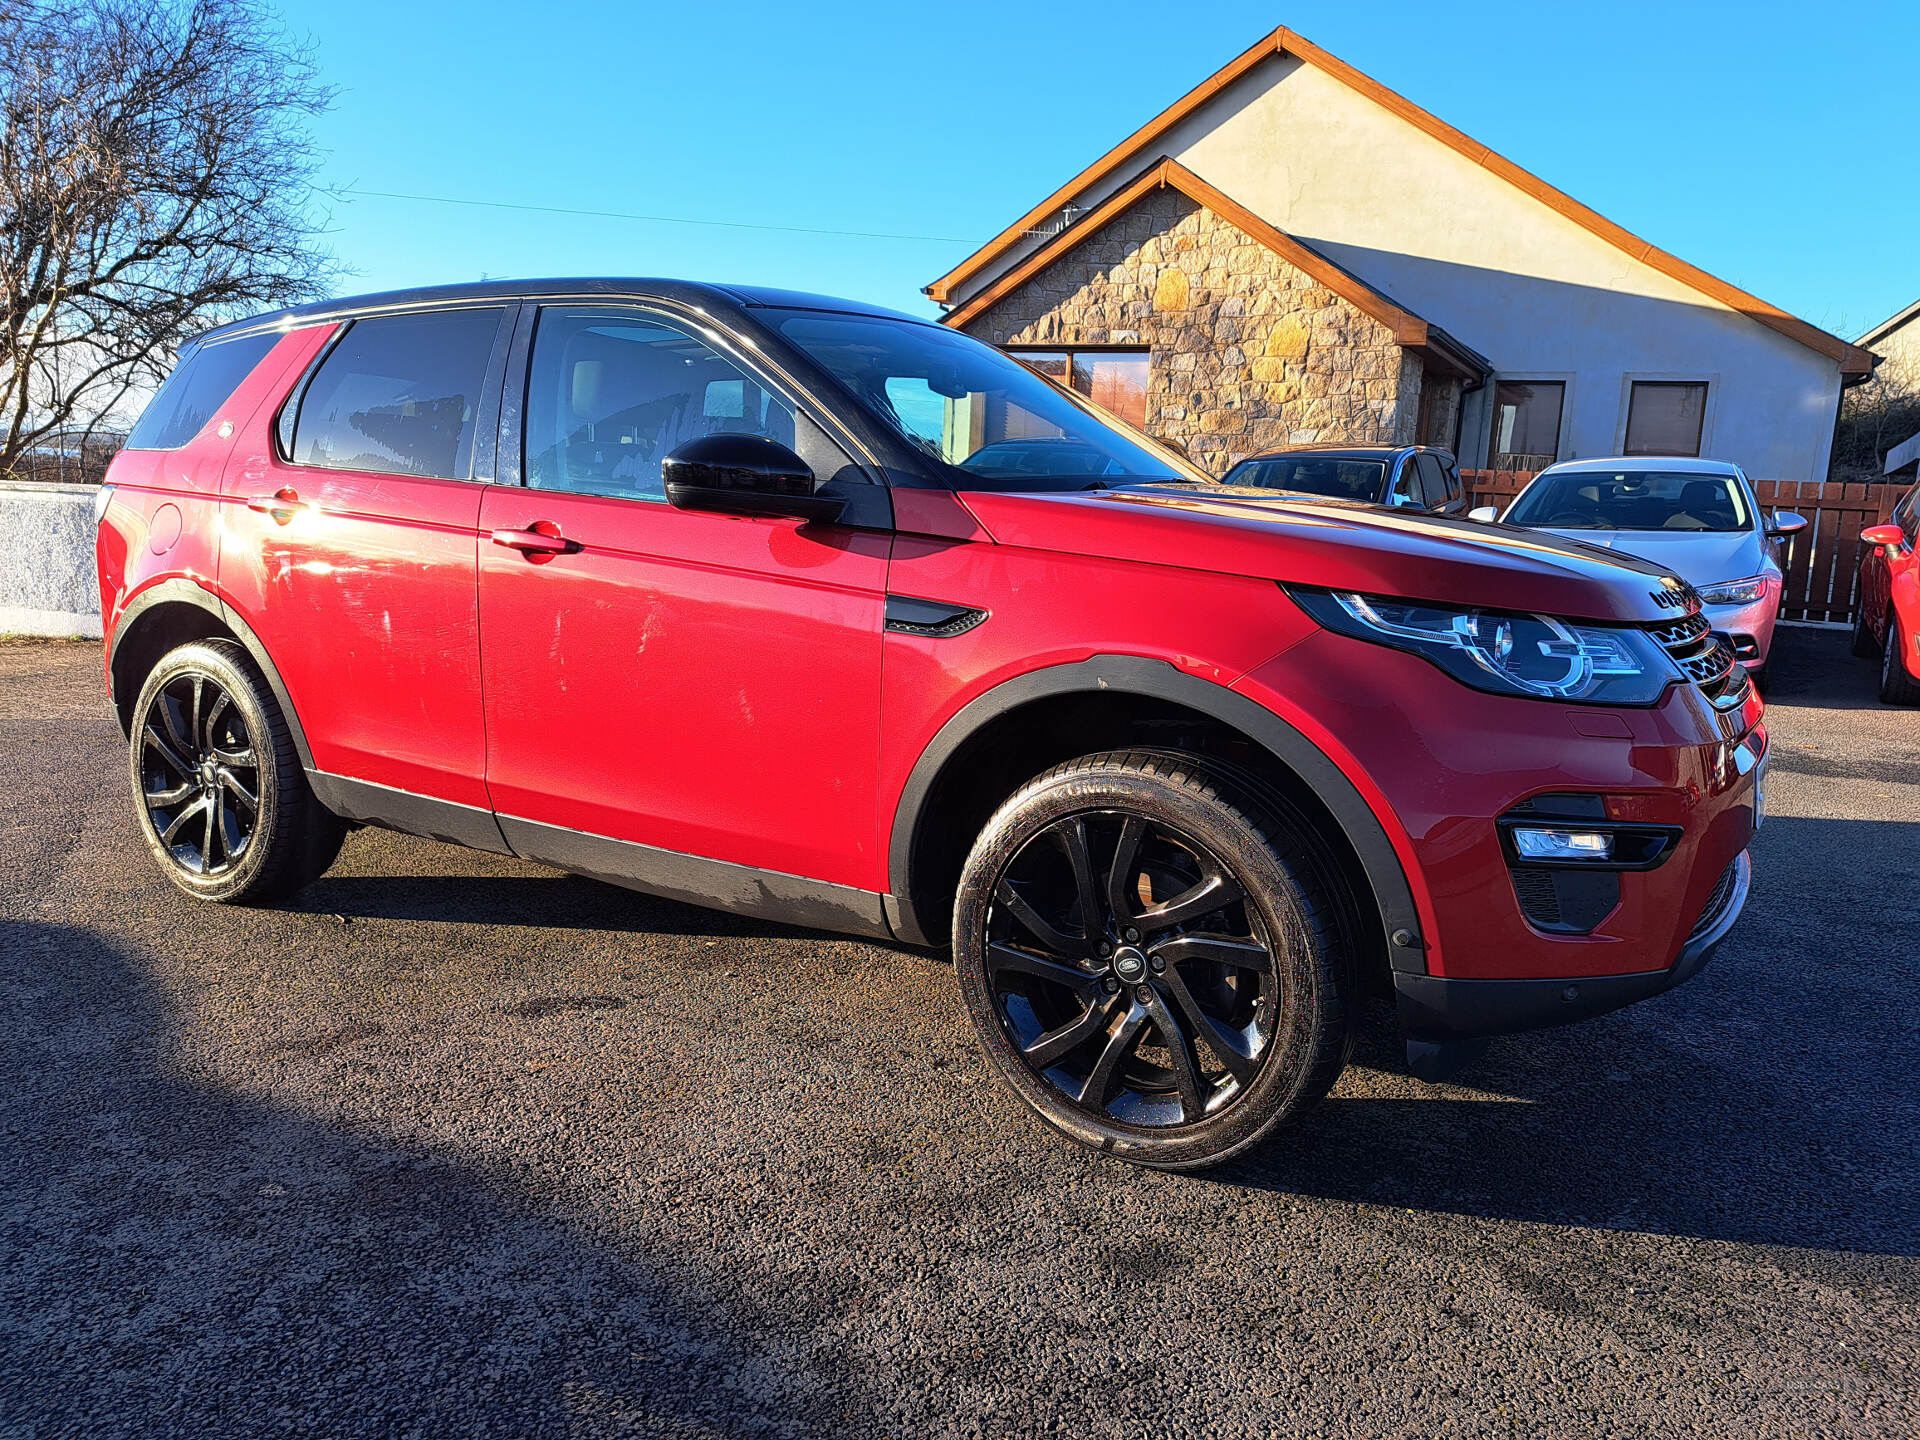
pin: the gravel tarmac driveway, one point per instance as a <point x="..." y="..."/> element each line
<point x="461" y="1146"/>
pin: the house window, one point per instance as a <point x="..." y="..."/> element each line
<point x="1526" y="424"/>
<point x="1115" y="380"/>
<point x="1665" y="417"/>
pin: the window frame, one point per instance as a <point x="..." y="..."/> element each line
<point x="1019" y="352"/>
<point x="482" y="453"/>
<point x="1668" y="377"/>
<point x="1563" y="378"/>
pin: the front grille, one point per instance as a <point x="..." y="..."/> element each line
<point x="1716" y="905"/>
<point x="1704" y="658"/>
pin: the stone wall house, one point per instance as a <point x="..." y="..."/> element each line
<point x="1247" y="350"/>
<point x="1292" y="252"/>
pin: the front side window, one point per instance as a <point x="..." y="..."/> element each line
<point x="200" y="385"/>
<point x="990" y="422"/>
<point x="397" y="395"/>
<point x="1115" y="380"/>
<point x="1665" y="417"/>
<point x="1526" y="424"/>
<point x="1632" y="500"/>
<point x="1315" y="475"/>
<point x="612" y="392"/>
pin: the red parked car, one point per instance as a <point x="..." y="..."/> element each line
<point x="812" y="611"/>
<point x="1887" y="621"/>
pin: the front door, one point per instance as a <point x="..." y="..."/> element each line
<point x="349" y="546"/>
<point x="680" y="683"/>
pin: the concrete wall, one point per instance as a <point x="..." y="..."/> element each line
<point x="47" y="580"/>
<point x="1540" y="296"/>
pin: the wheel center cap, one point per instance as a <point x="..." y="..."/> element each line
<point x="207" y="773"/>
<point x="1130" y="964"/>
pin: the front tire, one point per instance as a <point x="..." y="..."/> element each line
<point x="1897" y="685"/>
<point x="1148" y="954"/>
<point x="217" y="784"/>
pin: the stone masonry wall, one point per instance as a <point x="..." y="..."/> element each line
<point x="1248" y="352"/>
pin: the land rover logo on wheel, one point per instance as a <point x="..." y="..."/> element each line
<point x="1130" y="965"/>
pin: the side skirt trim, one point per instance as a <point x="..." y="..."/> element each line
<point x="395" y="809"/>
<point x="718" y="884"/>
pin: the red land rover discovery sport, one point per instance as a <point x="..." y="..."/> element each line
<point x="822" y="613"/>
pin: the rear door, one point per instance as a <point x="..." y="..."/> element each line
<point x="674" y="683"/>
<point x="350" y="549"/>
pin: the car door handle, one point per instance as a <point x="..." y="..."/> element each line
<point x="282" y="505"/>
<point x="534" y="542"/>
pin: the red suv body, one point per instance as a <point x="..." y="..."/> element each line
<point x="1886" y="622"/>
<point x="729" y="596"/>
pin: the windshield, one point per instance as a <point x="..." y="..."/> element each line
<point x="1632" y="500"/>
<point x="993" y="422"/>
<point x="1344" y="479"/>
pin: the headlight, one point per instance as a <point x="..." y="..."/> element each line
<point x="1736" y="592"/>
<point x="1532" y="655"/>
<point x="102" y="498"/>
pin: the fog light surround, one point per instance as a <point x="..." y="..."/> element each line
<point x="1540" y="843"/>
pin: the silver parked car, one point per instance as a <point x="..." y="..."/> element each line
<point x="1697" y="518"/>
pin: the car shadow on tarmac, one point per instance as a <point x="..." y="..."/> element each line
<point x="182" y="1260"/>
<point x="1773" y="1100"/>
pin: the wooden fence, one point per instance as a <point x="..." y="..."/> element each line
<point x="1822" y="562"/>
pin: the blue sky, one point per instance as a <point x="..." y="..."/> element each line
<point x="1768" y="143"/>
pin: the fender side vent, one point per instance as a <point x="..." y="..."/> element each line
<point x="935" y="619"/>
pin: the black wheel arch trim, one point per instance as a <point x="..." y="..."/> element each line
<point x="187" y="592"/>
<point x="1399" y="917"/>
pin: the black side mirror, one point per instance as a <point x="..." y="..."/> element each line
<point x="744" y="475"/>
<point x="1785" y="523"/>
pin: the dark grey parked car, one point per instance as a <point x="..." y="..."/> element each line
<point x="1417" y="477"/>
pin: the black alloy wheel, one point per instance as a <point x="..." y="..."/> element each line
<point x="199" y="774"/>
<point x="217" y="783"/>
<point x="1124" y="961"/>
<point x="1148" y="953"/>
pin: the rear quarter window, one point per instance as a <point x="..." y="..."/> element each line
<point x="203" y="381"/>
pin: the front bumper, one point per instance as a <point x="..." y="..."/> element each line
<point x="1436" y="1009"/>
<point x="1444" y="765"/>
<point x="1750" y="626"/>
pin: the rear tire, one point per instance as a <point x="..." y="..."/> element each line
<point x="217" y="785"/>
<point x="1864" y="645"/>
<point x="1897" y="685"/>
<point x="1149" y="955"/>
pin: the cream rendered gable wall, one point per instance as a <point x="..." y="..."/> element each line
<point x="1534" y="292"/>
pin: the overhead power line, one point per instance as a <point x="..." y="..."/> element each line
<point x="651" y="219"/>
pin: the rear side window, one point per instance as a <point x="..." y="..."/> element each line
<point x="200" y="385"/>
<point x="1433" y="480"/>
<point x="398" y="394"/>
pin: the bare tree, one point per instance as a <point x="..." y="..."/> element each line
<point x="156" y="177"/>
<point x="1874" y="418"/>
